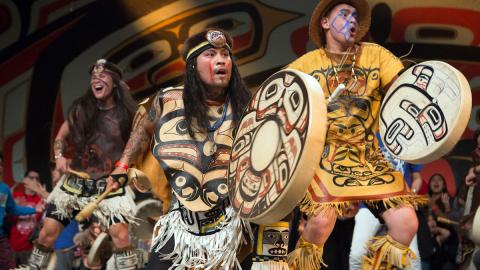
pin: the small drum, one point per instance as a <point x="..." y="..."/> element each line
<point x="425" y="112"/>
<point x="101" y="249"/>
<point x="147" y="175"/>
<point x="277" y="147"/>
<point x="147" y="213"/>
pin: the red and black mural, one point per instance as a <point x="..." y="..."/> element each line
<point x="46" y="47"/>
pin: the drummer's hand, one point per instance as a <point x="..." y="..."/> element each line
<point x="61" y="164"/>
<point x="471" y="177"/>
<point x="111" y="182"/>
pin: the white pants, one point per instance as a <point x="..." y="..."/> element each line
<point x="366" y="226"/>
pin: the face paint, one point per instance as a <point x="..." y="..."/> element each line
<point x="344" y="24"/>
<point x="211" y="70"/>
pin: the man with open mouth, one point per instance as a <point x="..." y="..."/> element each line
<point x="97" y="127"/>
<point x="354" y="76"/>
<point x="192" y="127"/>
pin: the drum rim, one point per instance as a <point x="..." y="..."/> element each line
<point x="102" y="237"/>
<point x="284" y="203"/>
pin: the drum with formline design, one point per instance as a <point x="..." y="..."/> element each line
<point x="277" y="147"/>
<point x="425" y="112"/>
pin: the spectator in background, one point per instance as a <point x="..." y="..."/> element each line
<point x="473" y="202"/>
<point x="441" y="203"/>
<point x="445" y="248"/>
<point x="8" y="205"/>
<point x="24" y="225"/>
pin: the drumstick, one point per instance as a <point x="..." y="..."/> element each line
<point x="336" y="92"/>
<point x="447" y="221"/>
<point x="90" y="207"/>
<point x="83" y="175"/>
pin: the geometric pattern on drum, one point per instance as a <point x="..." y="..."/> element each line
<point x="269" y="142"/>
<point x="422" y="109"/>
<point x="197" y="177"/>
<point x="350" y="141"/>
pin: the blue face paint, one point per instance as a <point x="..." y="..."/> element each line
<point x="344" y="15"/>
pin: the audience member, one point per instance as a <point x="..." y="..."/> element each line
<point x="8" y="205"/>
<point x="24" y="225"/>
<point x="445" y="248"/>
<point x="441" y="203"/>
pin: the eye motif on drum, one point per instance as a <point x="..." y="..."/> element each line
<point x="424" y="111"/>
<point x="269" y="143"/>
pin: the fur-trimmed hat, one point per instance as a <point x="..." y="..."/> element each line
<point x="103" y="65"/>
<point x="315" y="30"/>
<point x="210" y="38"/>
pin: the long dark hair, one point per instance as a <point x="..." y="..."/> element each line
<point x="82" y="115"/>
<point x="430" y="192"/>
<point x="195" y="96"/>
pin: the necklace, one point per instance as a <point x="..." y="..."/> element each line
<point x="210" y="145"/>
<point x="342" y="86"/>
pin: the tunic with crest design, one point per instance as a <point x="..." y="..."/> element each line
<point x="196" y="174"/>
<point x="352" y="168"/>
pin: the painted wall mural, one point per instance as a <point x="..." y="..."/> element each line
<point x="46" y="47"/>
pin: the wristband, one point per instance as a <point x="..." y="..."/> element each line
<point x="121" y="164"/>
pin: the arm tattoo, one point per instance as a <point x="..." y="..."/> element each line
<point x="136" y="145"/>
<point x="59" y="146"/>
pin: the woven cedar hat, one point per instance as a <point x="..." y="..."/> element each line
<point x="103" y="65"/>
<point x="209" y="38"/>
<point x="315" y="30"/>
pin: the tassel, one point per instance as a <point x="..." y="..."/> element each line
<point x="120" y="208"/>
<point x="270" y="265"/>
<point x="307" y="256"/>
<point x="308" y="206"/>
<point x="208" y="252"/>
<point x="384" y="249"/>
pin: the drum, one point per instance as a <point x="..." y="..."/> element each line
<point x="149" y="176"/>
<point x="277" y="147"/>
<point x="475" y="233"/>
<point x="425" y="112"/>
<point x="101" y="250"/>
<point x="147" y="213"/>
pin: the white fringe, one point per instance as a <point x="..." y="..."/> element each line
<point x="213" y="251"/>
<point x="120" y="207"/>
<point x="270" y="265"/>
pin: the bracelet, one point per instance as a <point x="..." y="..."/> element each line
<point x="121" y="164"/>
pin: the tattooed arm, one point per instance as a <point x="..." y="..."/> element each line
<point x="59" y="147"/>
<point x="140" y="136"/>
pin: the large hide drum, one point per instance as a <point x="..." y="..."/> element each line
<point x="475" y="233"/>
<point x="277" y="147"/>
<point x="148" y="167"/>
<point x="425" y="112"/>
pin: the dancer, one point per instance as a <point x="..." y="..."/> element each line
<point x="354" y="76"/>
<point x="97" y="127"/>
<point x="192" y="126"/>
